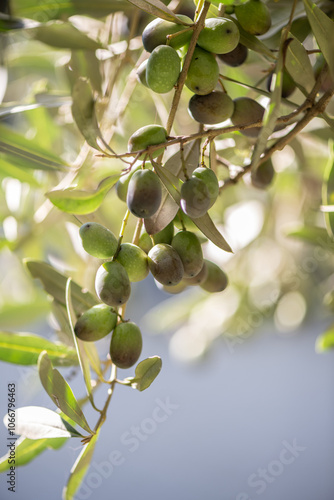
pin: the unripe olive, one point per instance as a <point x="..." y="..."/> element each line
<point x="211" y="108"/>
<point x="156" y="33"/>
<point x="172" y="289"/>
<point x="189" y="249"/>
<point x="126" y="345"/>
<point x="141" y="73"/>
<point x="112" y="284"/>
<point x="144" y="193"/>
<point x="203" y="72"/>
<point x="195" y="197"/>
<point x="263" y="175"/>
<point x="134" y="261"/>
<point x="236" y="57"/>
<point x="150" y="135"/>
<point x="165" y="264"/>
<point x="123" y="183"/>
<point x="145" y="242"/>
<point x="163" y="69"/>
<point x="165" y="235"/>
<point x="247" y="111"/>
<point x="95" y="323"/>
<point x="219" y="35"/>
<point x="254" y="17"/>
<point x="97" y="240"/>
<point x="216" y="280"/>
<point x="208" y="176"/>
<point x="199" y="278"/>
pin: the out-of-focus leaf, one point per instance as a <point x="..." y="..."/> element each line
<point x="49" y="9"/>
<point x="206" y="225"/>
<point x="7" y="169"/>
<point x="325" y="341"/>
<point x="23" y="153"/>
<point x="79" y="469"/>
<point x="328" y="192"/>
<point x="157" y="8"/>
<point x="63" y="36"/>
<point x="168" y="208"/>
<point x="36" y="422"/>
<point x="298" y="65"/>
<point x="79" y="344"/>
<point x="60" y="392"/>
<point x="315" y="235"/>
<point x="28" y="449"/>
<point x="54" y="284"/>
<point x="84" y="63"/>
<point x="273" y="110"/>
<point x="24" y="349"/>
<point x="83" y="112"/>
<point x="145" y="373"/>
<point x="323" y="30"/>
<point x="14" y="315"/>
<point x="75" y="201"/>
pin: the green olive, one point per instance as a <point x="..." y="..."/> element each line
<point x="95" y="323"/>
<point x="97" y="240"/>
<point x="134" y="261"/>
<point x="126" y="345"/>
<point x="112" y="284"/>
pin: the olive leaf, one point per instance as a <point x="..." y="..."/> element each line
<point x="80" y="346"/>
<point x="28" y="449"/>
<point x="158" y="9"/>
<point x="79" y="469"/>
<point x="323" y="30"/>
<point x="188" y="159"/>
<point x="325" y="341"/>
<point x="54" y="283"/>
<point x="25" y="348"/>
<point x="36" y="422"/>
<point x="299" y="66"/>
<point x="64" y="36"/>
<point x="75" y="201"/>
<point x="145" y="373"/>
<point x="310" y="234"/>
<point x="60" y="392"/>
<point x="328" y="192"/>
<point x="26" y="154"/>
<point x="83" y="112"/>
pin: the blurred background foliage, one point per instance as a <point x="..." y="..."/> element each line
<point x="282" y="269"/>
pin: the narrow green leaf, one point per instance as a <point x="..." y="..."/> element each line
<point x="323" y="30"/>
<point x="206" y="225"/>
<point x="16" y="315"/>
<point x="60" y="392"/>
<point x="24" y="349"/>
<point x="25" y="153"/>
<point x="49" y="9"/>
<point x="168" y="208"/>
<point x="273" y="110"/>
<point x="203" y="223"/>
<point x="145" y="373"/>
<point x="328" y="191"/>
<point x="54" y="283"/>
<point x="83" y="112"/>
<point x="28" y="449"/>
<point x="79" y="344"/>
<point x="325" y="341"/>
<point x="298" y="65"/>
<point x="311" y="234"/>
<point x="157" y="9"/>
<point x="64" y="36"/>
<point x="79" y="469"/>
<point x="75" y="201"/>
<point x="36" y="422"/>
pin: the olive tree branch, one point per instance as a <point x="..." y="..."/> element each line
<point x="183" y="75"/>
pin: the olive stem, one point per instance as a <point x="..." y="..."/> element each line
<point x="136" y="234"/>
